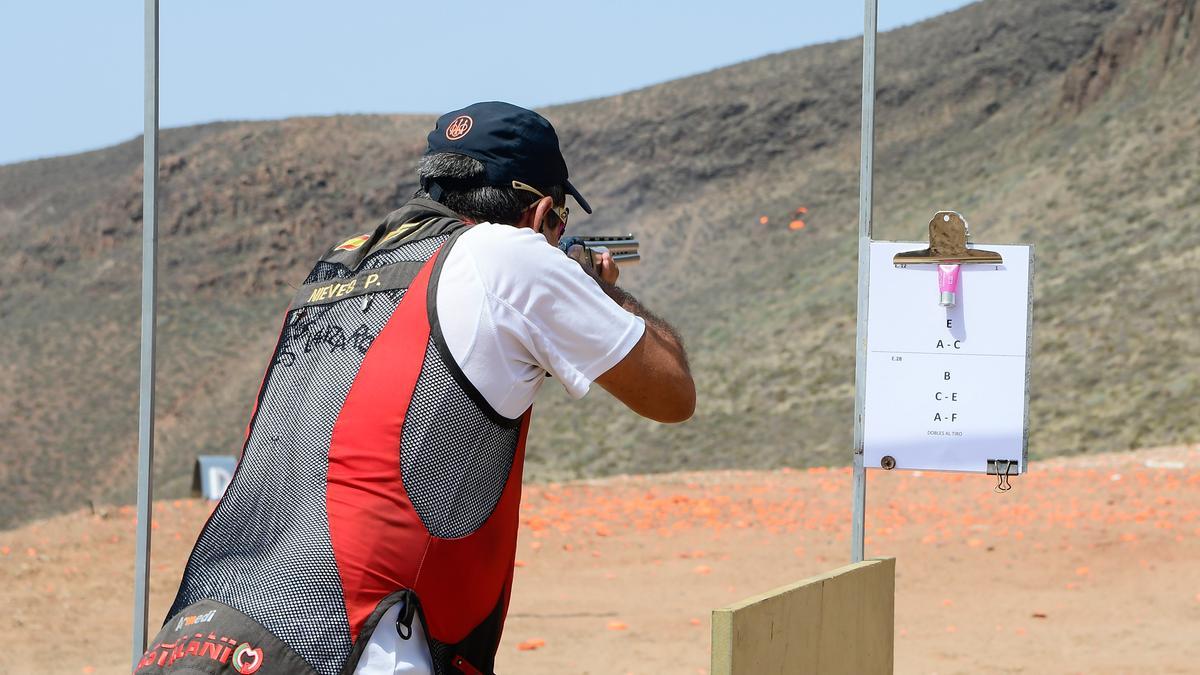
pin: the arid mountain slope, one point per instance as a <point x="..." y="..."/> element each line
<point x="1071" y="125"/>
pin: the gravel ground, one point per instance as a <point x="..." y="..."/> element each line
<point x="1089" y="565"/>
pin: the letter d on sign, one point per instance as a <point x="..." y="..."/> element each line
<point x="218" y="479"/>
<point x="212" y="475"/>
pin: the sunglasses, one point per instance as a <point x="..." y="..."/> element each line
<point x="560" y="211"/>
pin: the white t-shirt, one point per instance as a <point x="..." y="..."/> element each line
<point x="389" y="654"/>
<point x="512" y="308"/>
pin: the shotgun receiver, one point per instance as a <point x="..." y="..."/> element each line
<point x="585" y="248"/>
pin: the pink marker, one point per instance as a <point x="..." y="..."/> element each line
<point x="948" y="284"/>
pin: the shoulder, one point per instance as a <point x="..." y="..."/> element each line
<point x="490" y="238"/>
<point x="507" y="259"/>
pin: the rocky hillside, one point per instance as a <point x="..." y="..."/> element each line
<point x="1070" y="124"/>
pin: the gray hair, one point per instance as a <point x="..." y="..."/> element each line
<point x="490" y="204"/>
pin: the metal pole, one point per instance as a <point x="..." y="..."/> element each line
<point x="145" y="475"/>
<point x="865" y="187"/>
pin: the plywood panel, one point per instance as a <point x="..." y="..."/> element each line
<point x="840" y="622"/>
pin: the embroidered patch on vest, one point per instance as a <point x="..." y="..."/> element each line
<point x="387" y="278"/>
<point x="353" y="243"/>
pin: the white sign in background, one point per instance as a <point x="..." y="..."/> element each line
<point x="946" y="387"/>
<point x="212" y="474"/>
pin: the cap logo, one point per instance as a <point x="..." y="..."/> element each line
<point x="459" y="127"/>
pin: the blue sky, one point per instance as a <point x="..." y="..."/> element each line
<point x="71" y="70"/>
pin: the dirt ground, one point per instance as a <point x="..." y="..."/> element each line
<point x="1089" y="565"/>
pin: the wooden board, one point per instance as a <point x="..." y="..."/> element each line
<point x="840" y="622"/>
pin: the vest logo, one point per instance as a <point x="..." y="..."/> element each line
<point x="195" y="619"/>
<point x="247" y="659"/>
<point x="460" y="127"/>
<point x="217" y="650"/>
<point x="353" y="243"/>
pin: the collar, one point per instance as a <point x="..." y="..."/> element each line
<point x="418" y="209"/>
<point x="417" y="219"/>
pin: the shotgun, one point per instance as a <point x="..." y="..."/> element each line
<point x="584" y="248"/>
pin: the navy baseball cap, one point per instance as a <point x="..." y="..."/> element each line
<point x="512" y="143"/>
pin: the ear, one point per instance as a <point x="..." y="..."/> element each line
<point x="544" y="206"/>
<point x="534" y="217"/>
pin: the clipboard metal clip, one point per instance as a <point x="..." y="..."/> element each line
<point x="948" y="245"/>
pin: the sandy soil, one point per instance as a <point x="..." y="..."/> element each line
<point x="1089" y="565"/>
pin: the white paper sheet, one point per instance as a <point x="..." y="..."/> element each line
<point x="946" y="387"/>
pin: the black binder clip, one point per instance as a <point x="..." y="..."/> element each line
<point x="1002" y="469"/>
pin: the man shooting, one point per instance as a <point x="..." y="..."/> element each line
<point x="371" y="524"/>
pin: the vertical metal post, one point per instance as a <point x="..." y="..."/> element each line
<point x="145" y="466"/>
<point x="865" y="193"/>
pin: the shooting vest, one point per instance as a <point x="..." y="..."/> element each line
<point x="373" y="472"/>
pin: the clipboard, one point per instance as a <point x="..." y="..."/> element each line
<point x="947" y="388"/>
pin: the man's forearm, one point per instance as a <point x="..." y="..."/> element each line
<point x="653" y="321"/>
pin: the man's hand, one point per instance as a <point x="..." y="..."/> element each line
<point x="606" y="269"/>
<point x="599" y="264"/>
